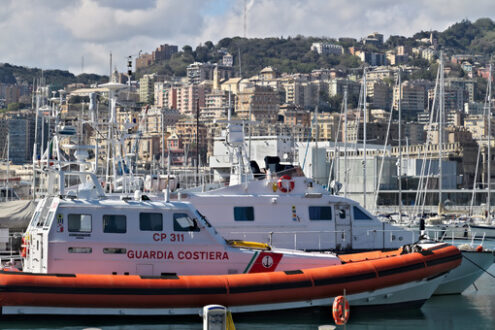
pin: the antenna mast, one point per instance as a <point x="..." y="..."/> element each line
<point x="110" y="71"/>
<point x="240" y="65"/>
<point x="245" y="18"/>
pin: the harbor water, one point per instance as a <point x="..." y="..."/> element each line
<point x="474" y="309"/>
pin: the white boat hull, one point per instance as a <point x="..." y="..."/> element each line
<point x="415" y="293"/>
<point x="470" y="269"/>
<point x="482" y="231"/>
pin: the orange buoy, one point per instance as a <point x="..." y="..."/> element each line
<point x="479" y="248"/>
<point x="340" y="310"/>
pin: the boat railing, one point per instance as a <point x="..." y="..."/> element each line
<point x="482" y="239"/>
<point x="61" y="182"/>
<point x="295" y="234"/>
<point x="10" y="245"/>
<point x="442" y="234"/>
<point x="453" y="237"/>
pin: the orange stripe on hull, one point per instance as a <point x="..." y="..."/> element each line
<point x="120" y="291"/>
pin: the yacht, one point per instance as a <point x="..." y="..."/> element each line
<point x="305" y="216"/>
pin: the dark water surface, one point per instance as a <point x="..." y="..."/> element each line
<point x="471" y="310"/>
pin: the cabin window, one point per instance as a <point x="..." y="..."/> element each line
<point x="80" y="250"/>
<point x="35" y="218"/>
<point x="342" y="214"/>
<point x="242" y="213"/>
<point x="320" y="213"/>
<point x="44" y="212"/>
<point x="114" y="250"/>
<point x="150" y="221"/>
<point x="360" y="215"/>
<point x="114" y="224"/>
<point x="48" y="219"/>
<point x="183" y="222"/>
<point x="79" y="223"/>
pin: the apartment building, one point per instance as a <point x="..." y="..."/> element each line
<point x="147" y="88"/>
<point x="477" y="124"/>
<point x="261" y="102"/>
<point x="198" y="72"/>
<point x="165" y="94"/>
<point x="326" y="48"/>
<point x="190" y="96"/>
<point x="21" y="128"/>
<point x="381" y="73"/>
<point x="163" y="52"/>
<point x="336" y="87"/>
<point x="454" y="98"/>
<point x="379" y="93"/>
<point x="412" y="98"/>
<point x="295" y="115"/>
<point x="216" y="105"/>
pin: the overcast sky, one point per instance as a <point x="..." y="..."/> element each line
<point x="57" y="34"/>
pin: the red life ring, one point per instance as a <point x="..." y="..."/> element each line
<point x="24" y="247"/>
<point x="282" y="187"/>
<point x="340" y="310"/>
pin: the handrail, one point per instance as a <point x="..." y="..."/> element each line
<point x="10" y="252"/>
<point x="295" y="233"/>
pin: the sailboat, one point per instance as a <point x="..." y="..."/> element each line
<point x="484" y="226"/>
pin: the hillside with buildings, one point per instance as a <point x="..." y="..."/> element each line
<point x="304" y="54"/>
<point x="291" y="89"/>
<point x="16" y="82"/>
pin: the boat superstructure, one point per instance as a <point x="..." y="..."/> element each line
<point x="305" y="216"/>
<point x="308" y="217"/>
<point x="135" y="236"/>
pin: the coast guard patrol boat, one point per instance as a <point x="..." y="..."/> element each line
<point x="86" y="253"/>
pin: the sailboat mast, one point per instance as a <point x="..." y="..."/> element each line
<point x="163" y="138"/>
<point x="399" y="174"/>
<point x="317" y="133"/>
<point x="8" y="166"/>
<point x="364" y="137"/>
<point x="440" y="130"/>
<point x="489" y="113"/>
<point x="345" y="141"/>
<point x="196" y="179"/>
<point x="35" y="146"/>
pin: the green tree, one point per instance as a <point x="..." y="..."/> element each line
<point x="12" y="106"/>
<point x="187" y="49"/>
<point x="209" y="45"/>
<point x="349" y="61"/>
<point x="201" y="54"/>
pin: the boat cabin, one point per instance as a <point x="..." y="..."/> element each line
<point x="82" y="231"/>
<point x="301" y="216"/>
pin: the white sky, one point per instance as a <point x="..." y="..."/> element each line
<point x="56" y="34"/>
